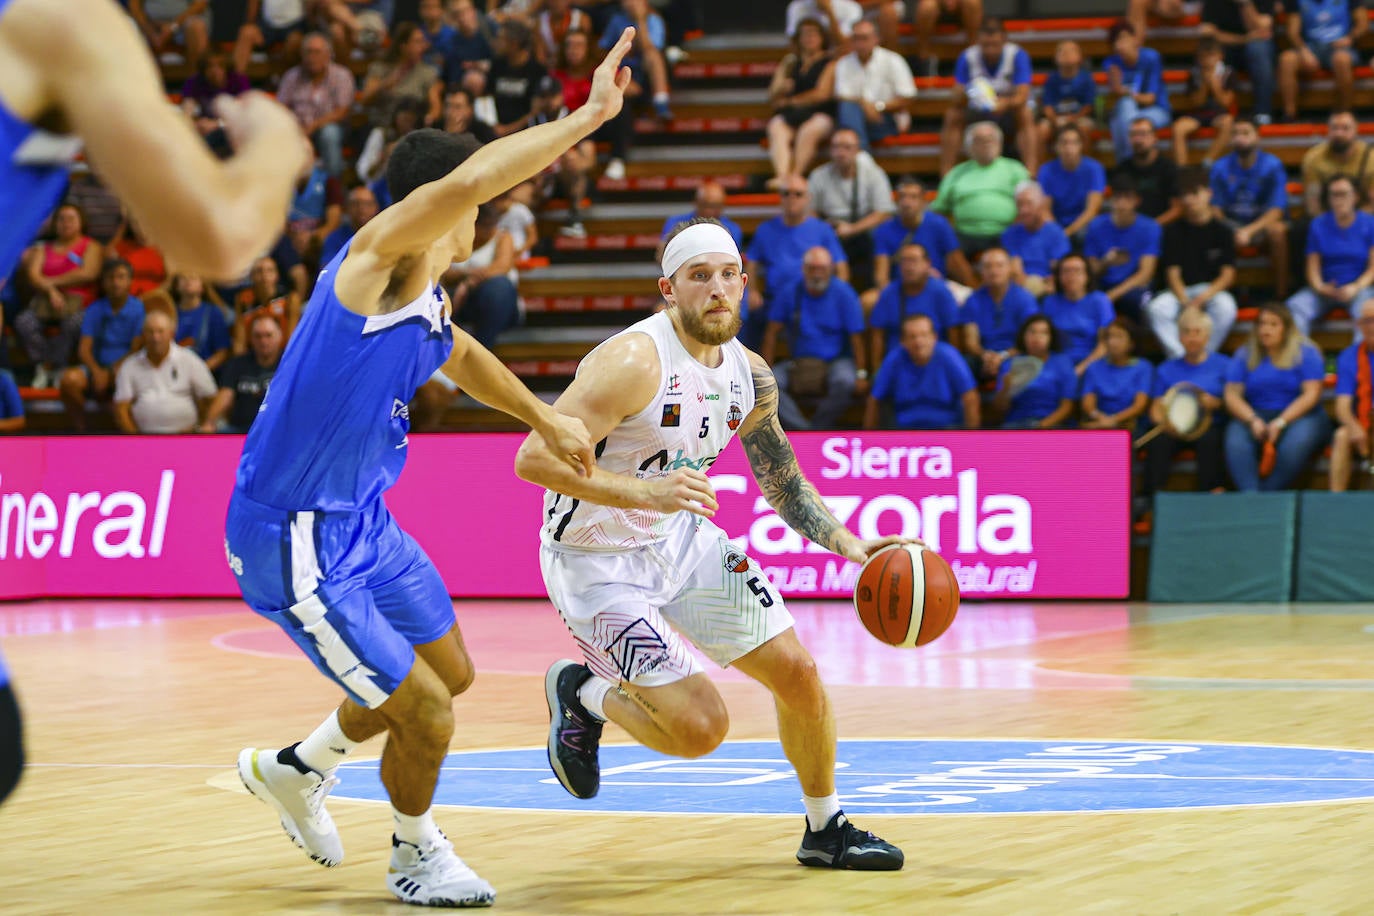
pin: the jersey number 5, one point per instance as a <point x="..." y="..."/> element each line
<point x="758" y="588"/>
<point x="705" y="428"/>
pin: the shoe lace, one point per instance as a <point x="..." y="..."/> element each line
<point x="316" y="794"/>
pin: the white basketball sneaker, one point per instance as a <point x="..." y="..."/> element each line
<point x="433" y="875"/>
<point x="298" y="799"/>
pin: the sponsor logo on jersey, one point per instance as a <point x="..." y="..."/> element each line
<point x="734" y="417"/>
<point x="672" y="415"/>
<point x="736" y="561"/>
<point x="707" y="397"/>
<point x="675" y="384"/>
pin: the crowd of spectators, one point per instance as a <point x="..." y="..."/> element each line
<point x="90" y="304"/>
<point x="1037" y="285"/>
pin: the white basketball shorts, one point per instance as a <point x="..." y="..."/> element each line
<point x="629" y="610"/>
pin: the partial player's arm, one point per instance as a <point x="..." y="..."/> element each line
<point x="615" y="382"/>
<point x="784" y="485"/>
<point x="432" y="209"/>
<point x="478" y="372"/>
<point x="208" y="217"/>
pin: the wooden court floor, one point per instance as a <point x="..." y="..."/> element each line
<point x="136" y="710"/>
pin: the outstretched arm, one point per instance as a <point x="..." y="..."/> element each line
<point x="478" y="372"/>
<point x="780" y="478"/>
<point x="208" y="217"/>
<point x="432" y="209"/>
<point x="615" y="382"/>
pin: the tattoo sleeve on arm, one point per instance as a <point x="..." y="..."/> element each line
<point x="775" y="467"/>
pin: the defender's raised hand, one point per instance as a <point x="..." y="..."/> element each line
<point x="610" y="80"/>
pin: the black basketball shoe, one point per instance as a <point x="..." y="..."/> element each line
<point x="574" y="733"/>
<point x="842" y="845"/>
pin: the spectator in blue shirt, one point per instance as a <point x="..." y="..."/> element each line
<point x="1250" y="188"/>
<point x="1116" y="388"/>
<point x="1074" y="182"/>
<point x="646" y="58"/>
<point x="1207" y="370"/>
<point x="1123" y="247"/>
<point x="1035" y="242"/>
<point x="1047" y="402"/>
<point x="470" y="54"/>
<point x="924" y="382"/>
<point x="1274" y="392"/>
<point x="1321" y="36"/>
<point x="1340" y="257"/>
<point x="1068" y="98"/>
<point x="995" y="312"/>
<point x="1354" y="402"/>
<point x="992" y="81"/>
<point x="710" y="204"/>
<point x="201" y="325"/>
<point x="438" y="33"/>
<point x="359" y="208"/>
<point x="11" y="404"/>
<point x="1078" y="312"/>
<point x="916" y="291"/>
<point x="1135" y="79"/>
<point x="774" y="259"/>
<point x="825" y="322"/>
<point x="111" y="330"/>
<point x="914" y="224"/>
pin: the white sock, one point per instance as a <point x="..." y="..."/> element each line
<point x="417" y="830"/>
<point x="660" y="98"/>
<point x="819" y="811"/>
<point x="325" y="747"/>
<point x="592" y="693"/>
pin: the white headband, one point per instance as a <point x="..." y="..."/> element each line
<point x="695" y="241"/>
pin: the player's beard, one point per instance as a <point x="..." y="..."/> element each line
<point x="715" y="333"/>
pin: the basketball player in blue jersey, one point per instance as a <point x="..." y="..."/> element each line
<point x="633" y="564"/>
<point x="309" y="537"/>
<point x="77" y="72"/>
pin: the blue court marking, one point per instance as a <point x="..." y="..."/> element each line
<point x="911" y="776"/>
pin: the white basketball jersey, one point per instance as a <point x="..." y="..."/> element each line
<point x="693" y="417"/>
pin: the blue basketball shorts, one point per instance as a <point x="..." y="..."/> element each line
<point x="352" y="589"/>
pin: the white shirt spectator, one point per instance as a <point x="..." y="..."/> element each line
<point x="833" y="198"/>
<point x="848" y="13"/>
<point x="517" y="221"/>
<point x="887" y="76"/>
<point x="164" y="397"/>
<point x="282" y="13"/>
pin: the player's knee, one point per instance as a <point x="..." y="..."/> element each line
<point x="461" y="678"/>
<point x="798" y="684"/>
<point x="430" y="717"/>
<point x="701" y="732"/>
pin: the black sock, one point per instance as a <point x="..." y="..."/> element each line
<point x="287" y="757"/>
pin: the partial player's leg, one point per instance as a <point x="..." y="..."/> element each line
<point x="11" y="737"/>
<point x="729" y="610"/>
<point x="638" y="672"/>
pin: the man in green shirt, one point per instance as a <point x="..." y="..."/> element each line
<point x="979" y="194"/>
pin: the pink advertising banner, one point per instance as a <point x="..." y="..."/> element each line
<point x="1017" y="514"/>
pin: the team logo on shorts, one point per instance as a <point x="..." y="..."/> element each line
<point x="638" y="649"/>
<point x="734" y="417"/>
<point x="735" y="561"/>
<point x="672" y="415"/>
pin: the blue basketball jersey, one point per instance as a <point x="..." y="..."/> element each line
<point x="33" y="177"/>
<point x="331" y="432"/>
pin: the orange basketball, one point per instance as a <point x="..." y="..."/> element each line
<point x="906" y="595"/>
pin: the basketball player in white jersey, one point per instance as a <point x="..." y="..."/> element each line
<point x="631" y="560"/>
